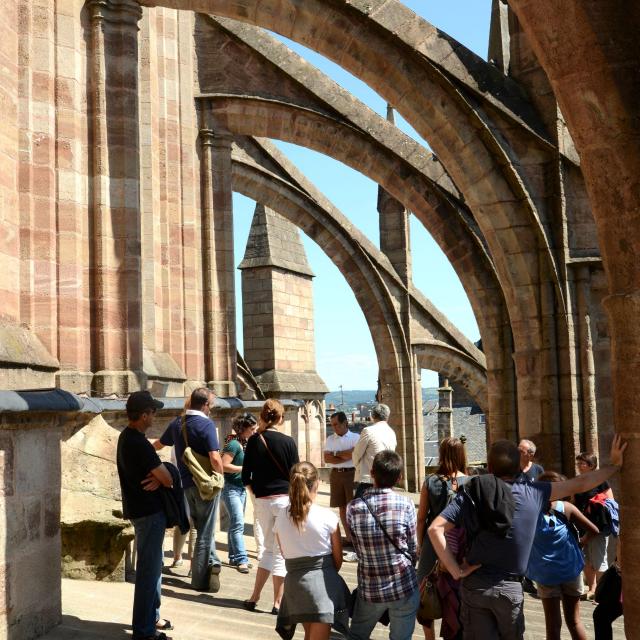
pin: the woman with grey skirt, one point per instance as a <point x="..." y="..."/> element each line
<point x="314" y="593"/>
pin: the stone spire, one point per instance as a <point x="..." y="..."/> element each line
<point x="394" y="229"/>
<point x="274" y="242"/>
<point x="277" y="307"/>
<point x="499" y="45"/>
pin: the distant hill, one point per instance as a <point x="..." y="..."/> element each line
<point x="354" y="397"/>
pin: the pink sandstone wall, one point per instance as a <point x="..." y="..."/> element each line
<point x="49" y="268"/>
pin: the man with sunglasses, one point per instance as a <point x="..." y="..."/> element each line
<point x="141" y="472"/>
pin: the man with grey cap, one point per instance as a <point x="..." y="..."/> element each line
<point x="141" y="473"/>
<point x="378" y="437"/>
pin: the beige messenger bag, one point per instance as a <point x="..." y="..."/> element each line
<point x="207" y="480"/>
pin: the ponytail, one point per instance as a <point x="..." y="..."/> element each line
<point x="302" y="479"/>
<point x="272" y="413"/>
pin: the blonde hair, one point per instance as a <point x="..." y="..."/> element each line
<point x="302" y="479"/>
<point x="272" y="412"/>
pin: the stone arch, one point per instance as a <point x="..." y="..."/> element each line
<point x="396" y="365"/>
<point x="253" y="116"/>
<point x="458" y="367"/>
<point x="262" y="66"/>
<point x="465" y="109"/>
<point x="249" y="178"/>
<point x="427" y="97"/>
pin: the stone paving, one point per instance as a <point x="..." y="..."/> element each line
<point x="93" y="610"/>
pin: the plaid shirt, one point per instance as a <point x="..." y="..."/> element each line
<point x="384" y="574"/>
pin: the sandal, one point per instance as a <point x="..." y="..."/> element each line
<point x="165" y="626"/>
<point x="243" y="568"/>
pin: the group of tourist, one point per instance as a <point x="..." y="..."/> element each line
<point x="477" y="535"/>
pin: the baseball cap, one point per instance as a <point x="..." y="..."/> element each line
<point x="141" y="401"/>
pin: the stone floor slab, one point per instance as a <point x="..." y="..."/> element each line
<point x="93" y="610"/>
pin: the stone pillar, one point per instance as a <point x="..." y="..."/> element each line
<point x="587" y="365"/>
<point x="115" y="197"/>
<point x="72" y="205"/>
<point x="277" y="306"/>
<point x="445" y="411"/>
<point x="30" y="603"/>
<point x="395" y="240"/>
<point x="419" y="423"/>
<point x="397" y="386"/>
<point x="218" y="264"/>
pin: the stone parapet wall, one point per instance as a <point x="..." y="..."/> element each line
<point x="30" y="600"/>
<point x="57" y="470"/>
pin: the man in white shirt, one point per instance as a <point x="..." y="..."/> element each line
<point x="378" y="437"/>
<point x="337" y="455"/>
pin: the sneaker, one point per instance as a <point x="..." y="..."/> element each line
<point x="214" y="578"/>
<point x="351" y="556"/>
<point x="177" y="563"/>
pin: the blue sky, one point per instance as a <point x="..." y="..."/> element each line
<point x="344" y="350"/>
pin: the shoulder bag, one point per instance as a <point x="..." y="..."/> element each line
<point x="430" y="607"/>
<point x="208" y="481"/>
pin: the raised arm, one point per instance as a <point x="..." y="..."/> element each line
<point x="592" y="479"/>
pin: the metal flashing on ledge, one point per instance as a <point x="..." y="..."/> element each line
<point x="39" y="400"/>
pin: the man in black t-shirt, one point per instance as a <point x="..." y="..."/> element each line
<point x="141" y="473"/>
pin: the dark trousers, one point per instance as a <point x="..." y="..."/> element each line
<point x="491" y="609"/>
<point x="146" y="596"/>
<point x="603" y="615"/>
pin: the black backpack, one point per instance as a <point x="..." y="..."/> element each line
<point x="449" y="492"/>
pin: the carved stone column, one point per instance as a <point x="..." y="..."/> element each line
<point x="587" y="364"/>
<point x="445" y="411"/>
<point x="218" y="264"/>
<point x="395" y="239"/>
<point x="115" y="197"/>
